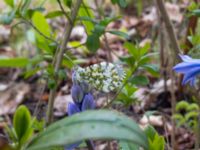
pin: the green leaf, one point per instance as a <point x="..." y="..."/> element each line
<point x="41" y="24"/>
<point x="100" y="124"/>
<point x="54" y="14"/>
<point x="122" y="3"/>
<point x="132" y="49"/>
<point x="156" y="142"/>
<point x="10" y="2"/>
<point x="120" y="33"/>
<point x="128" y="146"/>
<point x="22" y="123"/>
<point x="139" y="80"/>
<point x="85" y="12"/>
<point x="93" y="42"/>
<point x="13" y="62"/>
<point x="153" y="69"/>
<point x="68" y="3"/>
<point x="196" y="12"/>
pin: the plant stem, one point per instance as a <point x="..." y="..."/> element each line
<point x="169" y="28"/>
<point x="89" y="145"/>
<point x="59" y="56"/>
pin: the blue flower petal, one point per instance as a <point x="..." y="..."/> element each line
<point x="72" y="109"/>
<point x="186" y="67"/>
<point x="186" y="58"/>
<point x="88" y="102"/>
<point x="190" y="75"/>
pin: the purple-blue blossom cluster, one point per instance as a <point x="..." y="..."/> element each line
<point x="190" y="68"/>
<point x="82" y="99"/>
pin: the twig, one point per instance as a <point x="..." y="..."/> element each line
<point x="37" y="30"/>
<point x="169" y="28"/>
<point x="173" y="103"/>
<point x="63" y="10"/>
<point x="58" y="59"/>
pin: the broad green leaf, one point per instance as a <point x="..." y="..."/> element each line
<point x="99" y="124"/>
<point x="93" y="42"/>
<point x="139" y="80"/>
<point x="22" y="123"/>
<point x="40" y="22"/>
<point x="120" y="33"/>
<point x="13" y="62"/>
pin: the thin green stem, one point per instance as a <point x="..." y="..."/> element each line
<point x="59" y="56"/>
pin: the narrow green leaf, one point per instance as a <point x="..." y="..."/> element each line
<point x="13" y="62"/>
<point x="152" y="68"/>
<point x="54" y="14"/>
<point x="120" y="33"/>
<point x="84" y="11"/>
<point x="132" y="49"/>
<point x="100" y="124"/>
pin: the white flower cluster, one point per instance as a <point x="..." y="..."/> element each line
<point x="105" y="77"/>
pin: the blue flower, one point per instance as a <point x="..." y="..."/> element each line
<point x="82" y="100"/>
<point x="189" y="67"/>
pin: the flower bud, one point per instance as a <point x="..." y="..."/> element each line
<point x="77" y="93"/>
<point x="72" y="109"/>
<point x="88" y="102"/>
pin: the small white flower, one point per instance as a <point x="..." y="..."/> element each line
<point x="104" y="76"/>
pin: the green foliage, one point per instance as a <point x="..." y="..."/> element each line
<point x="156" y="142"/>
<point x="186" y="114"/>
<point x="41" y="24"/>
<point x="11" y="3"/>
<point x="139" y="80"/>
<point x="22" y="124"/>
<point x="128" y="146"/>
<point x="13" y="62"/>
<point x="121" y="3"/>
<point x="126" y="96"/>
<point x="54" y="14"/>
<point x="137" y="60"/>
<point x="85" y="12"/>
<point x="75" y="128"/>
